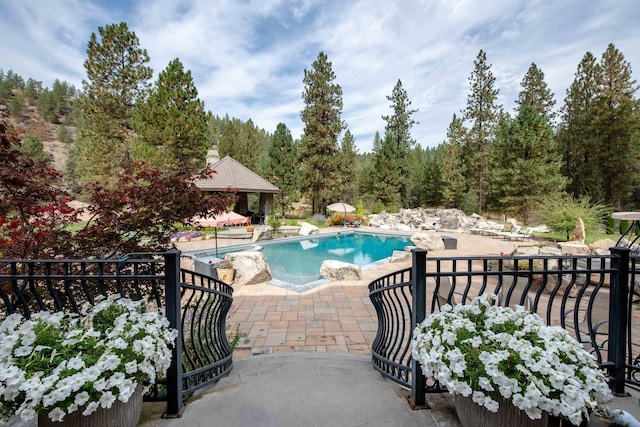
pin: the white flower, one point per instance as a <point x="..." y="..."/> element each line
<point x="81" y="398"/>
<point x="134" y="348"/>
<point x="76" y="362"/>
<point x="91" y="408"/>
<point x="478" y="348"/>
<point x="119" y="343"/>
<point x="26" y="412"/>
<point x="57" y="414"/>
<point x="107" y="399"/>
<point x="131" y="367"/>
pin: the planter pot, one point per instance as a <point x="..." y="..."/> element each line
<point x="250" y="228"/>
<point x="226" y="274"/>
<point x="119" y="415"/>
<point x="473" y="415"/>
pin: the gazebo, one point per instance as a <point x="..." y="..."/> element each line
<point x="233" y="176"/>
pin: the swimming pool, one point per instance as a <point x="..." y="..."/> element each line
<point x="295" y="263"/>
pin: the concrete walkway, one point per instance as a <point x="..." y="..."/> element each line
<point x="305" y="389"/>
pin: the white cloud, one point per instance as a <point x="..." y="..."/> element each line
<point x="247" y="58"/>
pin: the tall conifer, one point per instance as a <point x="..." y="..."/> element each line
<point x="322" y="126"/>
<point x="483" y="113"/>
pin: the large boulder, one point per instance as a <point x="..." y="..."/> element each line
<point x="427" y="241"/>
<point x="251" y="267"/>
<point x="289" y="230"/>
<point x="533" y="250"/>
<point x="574" y="248"/>
<point x="262" y="233"/>
<point x="452" y="219"/>
<point x="400" y="256"/>
<point x="403" y="227"/>
<point x="579" y="232"/>
<point x="526" y="250"/>
<point x="306" y="229"/>
<point x="604" y="244"/>
<point x="338" y="270"/>
<point x="550" y="250"/>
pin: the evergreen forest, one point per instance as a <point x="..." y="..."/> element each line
<point x="492" y="160"/>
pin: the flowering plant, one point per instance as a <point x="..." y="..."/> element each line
<point x="224" y="264"/>
<point x="58" y="363"/>
<point x="480" y="348"/>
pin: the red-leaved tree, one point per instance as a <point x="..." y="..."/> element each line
<point x="34" y="214"/>
<point x="138" y="214"/>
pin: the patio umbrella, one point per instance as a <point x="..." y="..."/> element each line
<point x="225" y="218"/>
<point x="220" y="220"/>
<point x="341" y="207"/>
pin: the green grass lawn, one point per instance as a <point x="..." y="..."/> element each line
<point x="74" y="227"/>
<point x="590" y="237"/>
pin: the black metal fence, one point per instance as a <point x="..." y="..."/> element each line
<point x="195" y="304"/>
<point x="590" y="296"/>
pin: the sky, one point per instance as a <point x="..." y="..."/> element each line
<point x="247" y="57"/>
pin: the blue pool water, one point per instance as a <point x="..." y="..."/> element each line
<point x="295" y="264"/>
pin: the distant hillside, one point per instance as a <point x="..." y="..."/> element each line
<point x="31" y="121"/>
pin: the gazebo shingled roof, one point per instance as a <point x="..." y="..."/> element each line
<point x="230" y="174"/>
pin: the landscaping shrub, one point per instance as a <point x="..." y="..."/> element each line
<point x="560" y="213"/>
<point x="470" y="203"/>
<point x="611" y="225"/>
<point x="377" y="207"/>
<point x="624" y="226"/>
<point x="318" y="220"/>
<point x="274" y="222"/>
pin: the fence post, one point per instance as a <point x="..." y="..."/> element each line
<point x="618" y="306"/>
<point x="175" y="405"/>
<point x="418" y="313"/>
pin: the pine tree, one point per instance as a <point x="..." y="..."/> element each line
<point x="57" y="102"/>
<point x="453" y="181"/>
<point x="32" y="90"/>
<point x="16" y="106"/>
<point x="172" y="120"/>
<point x="483" y="113"/>
<point x="425" y="178"/>
<point x="367" y="169"/>
<point x="387" y="182"/>
<point x="229" y="137"/>
<point x="348" y="174"/>
<point x="283" y="167"/>
<point x="616" y="122"/>
<point x="396" y="144"/>
<point x="322" y="126"/>
<point x="32" y="146"/>
<point x="244" y="142"/>
<point x="536" y="93"/>
<point x="5" y="87"/>
<point x="254" y="145"/>
<point x="62" y="134"/>
<point x="117" y="77"/>
<point x="575" y="132"/>
<point x="526" y="163"/>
